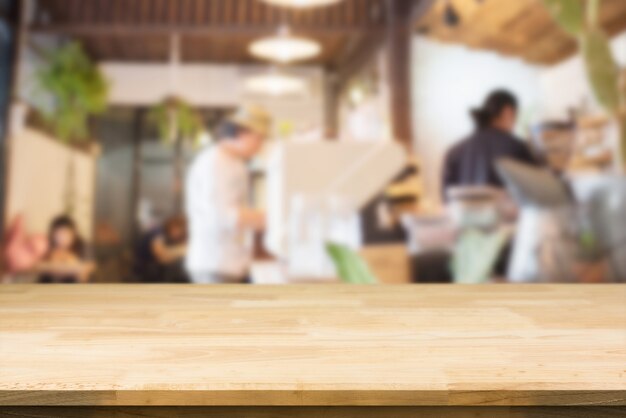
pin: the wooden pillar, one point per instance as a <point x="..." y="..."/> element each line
<point x="138" y="132"/>
<point x="179" y="175"/>
<point x="398" y="56"/>
<point x="331" y="105"/>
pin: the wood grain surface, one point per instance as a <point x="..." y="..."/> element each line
<point x="318" y="345"/>
<point x="313" y="412"/>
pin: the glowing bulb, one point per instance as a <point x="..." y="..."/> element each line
<point x="302" y="3"/>
<point x="275" y="84"/>
<point x="285" y="48"/>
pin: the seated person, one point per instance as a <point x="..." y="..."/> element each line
<point x="65" y="261"/>
<point x="161" y="252"/>
<point x="472" y="161"/>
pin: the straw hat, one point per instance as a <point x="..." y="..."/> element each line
<point x="254" y="118"/>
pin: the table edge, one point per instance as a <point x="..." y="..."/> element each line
<point x="312" y="398"/>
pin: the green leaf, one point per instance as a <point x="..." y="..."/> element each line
<point x="77" y="89"/>
<point x="602" y="70"/>
<point x="350" y="266"/>
<point x="187" y="123"/>
<point x="569" y="14"/>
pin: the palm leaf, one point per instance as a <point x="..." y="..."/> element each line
<point x="569" y="14"/>
<point x="602" y="71"/>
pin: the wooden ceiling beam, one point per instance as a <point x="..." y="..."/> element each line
<point x="100" y="30"/>
<point x="399" y="60"/>
<point x="359" y="51"/>
<point x="419" y="10"/>
<point x="218" y="28"/>
<point x="356" y="56"/>
<point x="521" y="28"/>
<point x="399" y="18"/>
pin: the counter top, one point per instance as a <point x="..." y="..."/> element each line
<point x="506" y="345"/>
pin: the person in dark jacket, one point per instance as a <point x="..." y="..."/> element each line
<point x="160" y="253"/>
<point x="472" y="161"/>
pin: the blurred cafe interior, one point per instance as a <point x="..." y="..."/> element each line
<point x="312" y="141"/>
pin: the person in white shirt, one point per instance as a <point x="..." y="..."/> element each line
<point x="221" y="222"/>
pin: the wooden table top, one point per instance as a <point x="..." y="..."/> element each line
<point x="313" y="345"/>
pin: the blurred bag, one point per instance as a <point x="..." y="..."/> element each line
<point x="22" y="252"/>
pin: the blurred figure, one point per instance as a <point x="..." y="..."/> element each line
<point x="161" y="253"/>
<point x="221" y="222"/>
<point x="66" y="260"/>
<point x="472" y="161"/>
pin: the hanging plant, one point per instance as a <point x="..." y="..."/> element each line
<point x="77" y="89"/>
<point x="175" y="120"/>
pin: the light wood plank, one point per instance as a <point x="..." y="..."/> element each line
<point x="327" y="345"/>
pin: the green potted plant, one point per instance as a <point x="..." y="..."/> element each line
<point x="77" y="90"/>
<point x="176" y="123"/>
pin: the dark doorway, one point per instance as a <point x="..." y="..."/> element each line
<point x="136" y="187"/>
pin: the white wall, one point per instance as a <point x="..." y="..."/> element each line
<point x="449" y="80"/>
<point x="368" y="118"/>
<point x="38" y="181"/>
<point x="147" y="84"/>
<point x="214" y="86"/>
<point x="565" y="85"/>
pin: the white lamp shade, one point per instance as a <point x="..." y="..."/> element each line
<point x="285" y="49"/>
<point x="302" y="3"/>
<point x="275" y="84"/>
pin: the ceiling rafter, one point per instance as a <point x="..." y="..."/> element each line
<point x="211" y="30"/>
<point x="520" y="28"/>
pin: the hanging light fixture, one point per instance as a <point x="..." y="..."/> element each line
<point x="285" y="48"/>
<point x="302" y="3"/>
<point x="275" y="84"/>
